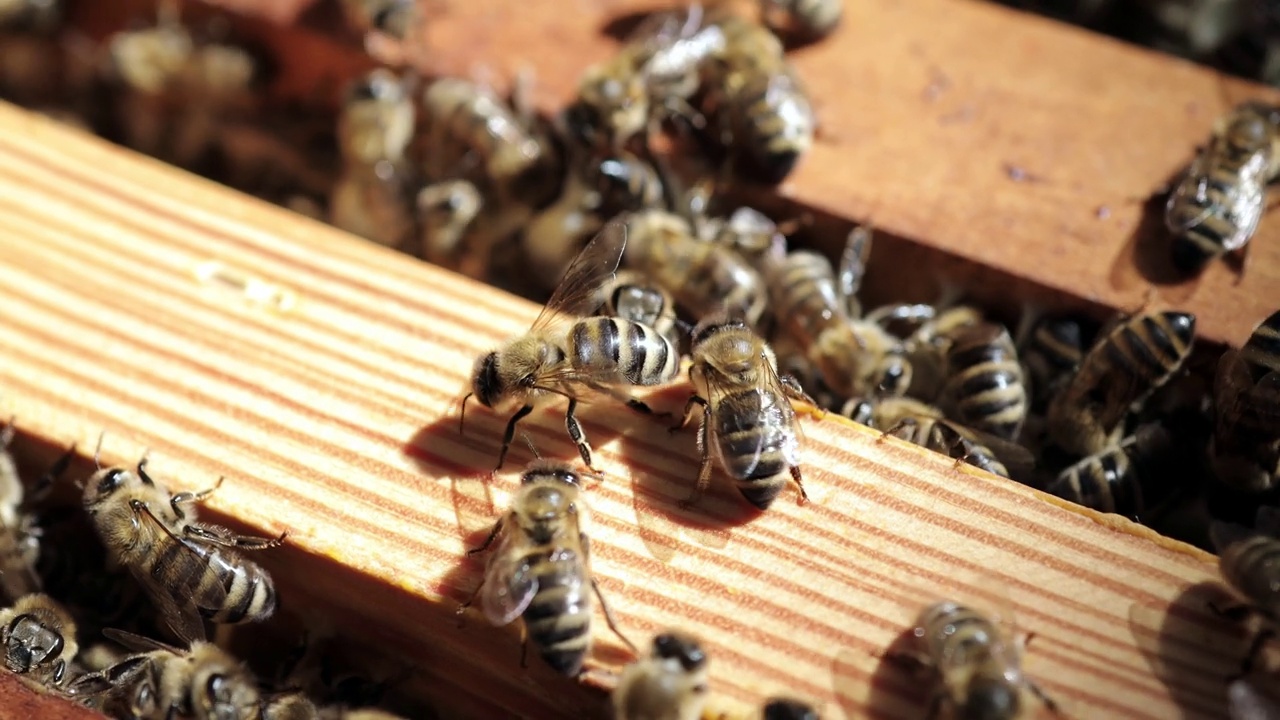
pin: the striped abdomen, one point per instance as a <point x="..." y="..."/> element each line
<point x="1143" y="353"/>
<point x="756" y="441"/>
<point x="189" y="570"/>
<point x="1053" y="352"/>
<point x="719" y="278"/>
<point x="559" y="616"/>
<point x="1252" y="568"/>
<point x="620" y="352"/>
<point x="803" y="291"/>
<point x="1121" y="479"/>
<point x="953" y="635"/>
<point x="773" y="121"/>
<point x="478" y="122"/>
<point x="985" y="383"/>
<point x="942" y="437"/>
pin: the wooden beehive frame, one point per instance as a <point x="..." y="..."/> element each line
<point x="333" y="415"/>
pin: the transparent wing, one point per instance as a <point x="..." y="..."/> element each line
<point x="135" y="642"/>
<point x="509" y="585"/>
<point x="1190" y="193"/>
<point x="178" y="607"/>
<point x="1231" y="383"/>
<point x="593" y="266"/>
<point x="853" y="267"/>
<point x="1018" y="460"/>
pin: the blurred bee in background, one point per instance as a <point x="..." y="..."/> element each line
<point x="1051" y="350"/>
<point x="1124" y="366"/>
<point x="703" y="277"/>
<point x="446" y="211"/>
<point x="631" y="296"/>
<point x="755" y="103"/>
<point x="975" y="662"/>
<point x="821" y="313"/>
<point x="188" y="569"/>
<point x="568" y="356"/>
<point x="161" y="681"/>
<point x="1245" y="447"/>
<point x="389" y="17"/>
<point x="541" y="568"/>
<point x="1127" y="478"/>
<point x="748" y="422"/>
<point x="19" y="535"/>
<point x="984" y="388"/>
<point x="375" y="127"/>
<point x="146" y="64"/>
<point x="1251" y="568"/>
<point x="30" y="15"/>
<point x="754" y="235"/>
<point x="803" y="20"/>
<point x="1216" y="207"/>
<point x="669" y="684"/>
<point x="925" y="425"/>
<point x="787" y="709"/>
<point x="39" y="639"/>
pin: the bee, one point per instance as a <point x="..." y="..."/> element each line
<point x="1247" y="408"/>
<point x="541" y="567"/>
<point x="819" y="311"/>
<point x="147" y="65"/>
<point x="39" y="639"/>
<point x="749" y="232"/>
<point x="389" y="17"/>
<point x="1052" y="352"/>
<point x="1216" y="207"/>
<point x="625" y="183"/>
<point x="160" y="681"/>
<point x="446" y="211"/>
<point x="756" y="102"/>
<point x="703" y="277"/>
<point x="669" y="684"/>
<point x="375" y="127"/>
<point x="976" y="666"/>
<point x="188" y="569"/>
<point x="926" y="347"/>
<point x="807" y="20"/>
<point x="1119" y="372"/>
<point x="925" y="425"/>
<point x="748" y="422"/>
<point x="1251" y="568"/>
<point x="631" y="296"/>
<point x="1122" y="479"/>
<point x="562" y="357"/>
<point x="985" y="387"/>
<point x="787" y="709"/>
<point x="19" y="537"/>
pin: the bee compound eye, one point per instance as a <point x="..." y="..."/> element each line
<point x="110" y="481"/>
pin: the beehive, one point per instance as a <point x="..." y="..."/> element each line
<point x="1005" y="153"/>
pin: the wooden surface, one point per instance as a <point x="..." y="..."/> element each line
<point x="19" y="702"/>
<point x="1009" y="153"/>
<point x="331" y="414"/>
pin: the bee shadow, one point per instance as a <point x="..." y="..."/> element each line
<point x="893" y="691"/>
<point x="1147" y="255"/>
<point x="1175" y="643"/>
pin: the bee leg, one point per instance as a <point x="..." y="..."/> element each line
<point x="637" y="405"/>
<point x="791" y="388"/>
<point x="704" y="468"/>
<point x="493" y="534"/>
<point x="228" y="539"/>
<point x="898" y="428"/>
<point x="575" y="433"/>
<point x="1044" y="697"/>
<point x="182" y="498"/>
<point x="609" y="619"/>
<point x="795" y="475"/>
<point x="462" y="620"/>
<point x="688" y="412"/>
<point x="510" y="434"/>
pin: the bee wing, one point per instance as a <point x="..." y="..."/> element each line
<point x="179" y="607"/>
<point x="853" y="266"/>
<point x="770" y="398"/>
<point x="1018" y="460"/>
<point x="1231" y="383"/>
<point x="1189" y="193"/>
<point x="135" y="642"/>
<point x="509" y="586"/>
<point x="577" y="292"/>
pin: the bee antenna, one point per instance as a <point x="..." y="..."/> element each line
<point x="97" y="450"/>
<point x="529" y="442"/>
<point x="6" y="435"/>
<point x="462" y="413"/>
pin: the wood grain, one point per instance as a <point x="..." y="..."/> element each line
<point x="19" y="702"/>
<point x="332" y="416"/>
<point x="1012" y="154"/>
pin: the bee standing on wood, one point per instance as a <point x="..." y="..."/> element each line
<point x="541" y="568"/>
<point x="669" y="684"/>
<point x="748" y="423"/>
<point x="188" y="569"/>
<point x="1216" y="207"/>
<point x="1124" y="479"/>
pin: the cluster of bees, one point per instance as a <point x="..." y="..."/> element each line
<point x="167" y="572"/>
<point x="659" y="271"/>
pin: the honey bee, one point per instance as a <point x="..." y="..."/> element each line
<point x="703" y="277"/>
<point x="1247" y="408"/>
<point x="1119" y="372"/>
<point x="631" y="296"/>
<point x="557" y="233"/>
<point x="625" y="183"/>
<point x="148" y="64"/>
<point x="188" y="569"/>
<point x="375" y="128"/>
<point x="1251" y="568"/>
<point x="749" y="232"/>
<point x="976" y="665"/>
<point x="1053" y="350"/>
<point x="1122" y="479"/>
<point x="669" y="684"/>
<point x="19" y="538"/>
<point x="1216" y="207"/>
<point x="756" y="102"/>
<point x="446" y="211"/>
<point x="925" y="425"/>
<point x="748" y="422"/>
<point x="541" y="568"/>
<point x="39" y="639"/>
<point x="927" y="346"/>
<point x="819" y="311"/>
<point x="787" y="709"/>
<point x="160" y="681"/>
<point x="985" y="387"/>
<point x="806" y="20"/>
<point x="566" y="356"/>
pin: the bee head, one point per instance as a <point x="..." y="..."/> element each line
<point x="991" y="697"/>
<point x="553" y="471"/>
<point x="29" y="644"/>
<point x="486" y="383"/>
<point x="681" y="648"/>
<point x="107" y="482"/>
<point x="783" y="709"/>
<point x="222" y="696"/>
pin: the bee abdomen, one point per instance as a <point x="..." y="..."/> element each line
<point x="1252" y="567"/>
<point x="1100" y="482"/>
<point x="754" y="443"/>
<point x="987" y="385"/>
<point x="777" y="122"/>
<point x="559" y="617"/>
<point x="1152" y="348"/>
<point x="1263" y="347"/>
<point x="633" y="353"/>
<point x="251" y="596"/>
